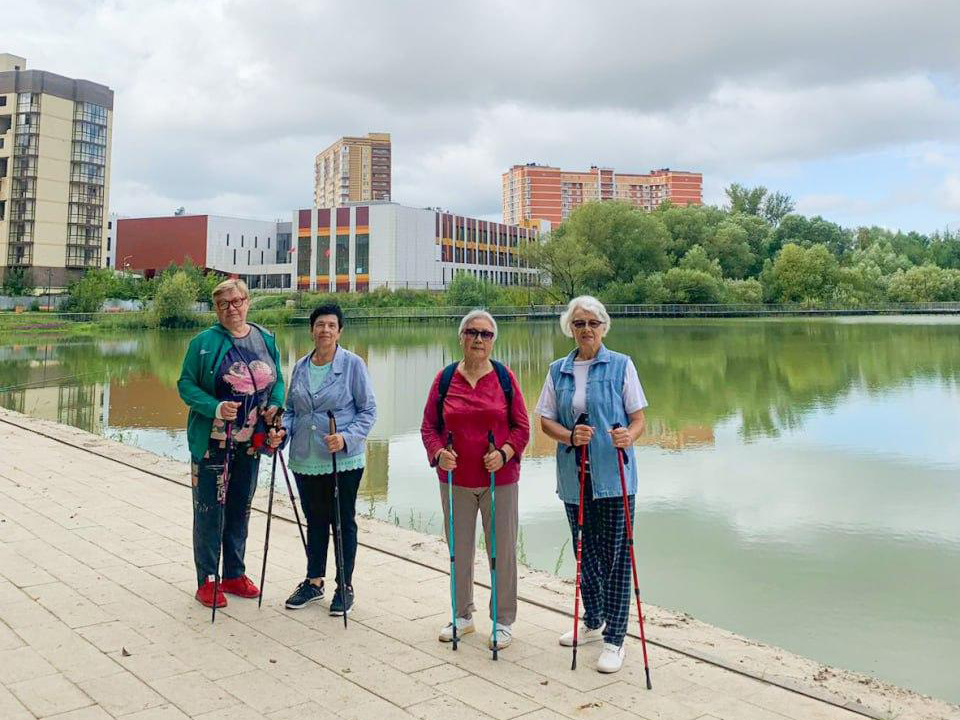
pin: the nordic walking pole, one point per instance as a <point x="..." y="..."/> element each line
<point x="342" y="580"/>
<point x="273" y="480"/>
<point x="453" y="564"/>
<point x="493" y="542"/>
<point x="582" y="420"/>
<point x="222" y="501"/>
<point x="293" y="499"/>
<point x="621" y="457"/>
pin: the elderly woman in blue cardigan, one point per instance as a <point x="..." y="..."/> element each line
<point x="603" y="384"/>
<point x="328" y="378"/>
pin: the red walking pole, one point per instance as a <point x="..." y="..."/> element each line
<point x="576" y="596"/>
<point x="621" y="454"/>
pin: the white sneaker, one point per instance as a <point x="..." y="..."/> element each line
<point x="504" y="637"/>
<point x="464" y="627"/>
<point x="585" y="635"/>
<point x="611" y="659"/>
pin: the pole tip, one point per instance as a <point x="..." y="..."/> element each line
<point x="649" y="684"/>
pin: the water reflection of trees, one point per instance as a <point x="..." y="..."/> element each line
<point x="768" y="375"/>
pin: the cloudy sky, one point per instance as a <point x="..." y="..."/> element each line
<point x="850" y="106"/>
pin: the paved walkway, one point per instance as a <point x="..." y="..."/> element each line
<point x="98" y="621"/>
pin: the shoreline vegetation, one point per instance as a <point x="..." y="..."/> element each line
<point x="753" y="257"/>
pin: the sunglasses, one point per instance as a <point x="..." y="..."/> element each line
<point x="237" y="303"/>
<point x="592" y="324"/>
<point x="473" y="333"/>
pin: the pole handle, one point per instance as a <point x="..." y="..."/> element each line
<point x="582" y="419"/>
<point x="623" y="453"/>
<point x="332" y="422"/>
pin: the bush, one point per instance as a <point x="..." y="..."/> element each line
<point x="742" y="291"/>
<point x="468" y="291"/>
<point x="684" y="285"/>
<point x="18" y="281"/>
<point x="87" y="294"/>
<point x="803" y="275"/>
<point x="174" y="299"/>
<point x="271" y="317"/>
<point x="926" y="283"/>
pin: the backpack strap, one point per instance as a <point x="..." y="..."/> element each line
<point x="446" y="377"/>
<point x="503" y="375"/>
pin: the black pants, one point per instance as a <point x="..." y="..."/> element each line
<point x="241" y="484"/>
<point x="316" y="499"/>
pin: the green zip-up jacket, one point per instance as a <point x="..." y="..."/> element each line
<point x="197" y="383"/>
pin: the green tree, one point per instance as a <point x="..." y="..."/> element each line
<point x="688" y="226"/>
<point x="18" y="281"/>
<point x="729" y="246"/>
<point x="804" y="275"/>
<point x="742" y="291"/>
<point x="174" y="299"/>
<point x="696" y="258"/>
<point x="745" y="200"/>
<point x="684" y="285"/>
<point x="87" y="294"/>
<point x="567" y="262"/>
<point x="630" y="240"/>
<point x="777" y="206"/>
<point x="926" y="283"/>
<point x="807" y="232"/>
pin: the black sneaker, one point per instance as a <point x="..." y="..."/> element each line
<point x="337" y="606"/>
<point x="305" y="594"/>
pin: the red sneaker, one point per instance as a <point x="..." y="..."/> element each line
<point x="241" y="586"/>
<point x="205" y="595"/>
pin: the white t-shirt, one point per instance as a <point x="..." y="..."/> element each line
<point x="633" y="397"/>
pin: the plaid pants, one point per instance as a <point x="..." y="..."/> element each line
<point x="605" y="582"/>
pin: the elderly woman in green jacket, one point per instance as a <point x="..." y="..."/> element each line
<point x="232" y="383"/>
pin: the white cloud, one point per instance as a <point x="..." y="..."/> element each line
<point x="221" y="105"/>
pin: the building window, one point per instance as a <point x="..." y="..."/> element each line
<point x="362" y="260"/>
<point x="228" y="239"/>
<point x="268" y="243"/>
<point x="3" y="100"/>
<point x="241" y="241"/>
<point x="323" y="258"/>
<point x="248" y="257"/>
<point x="255" y="239"/>
<point x="343" y="254"/>
<point x="234" y="257"/>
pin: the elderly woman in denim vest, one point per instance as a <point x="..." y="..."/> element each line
<point x="603" y="384"/>
<point x="328" y="378"/>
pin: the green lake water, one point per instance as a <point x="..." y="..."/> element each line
<point x="799" y="479"/>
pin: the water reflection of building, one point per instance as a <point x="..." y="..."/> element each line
<point x="80" y="405"/>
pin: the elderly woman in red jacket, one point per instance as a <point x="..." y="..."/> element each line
<point x="468" y="399"/>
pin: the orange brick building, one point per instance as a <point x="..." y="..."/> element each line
<point x="541" y="192"/>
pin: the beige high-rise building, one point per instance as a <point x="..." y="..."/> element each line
<point x="55" y="136"/>
<point x="353" y="169"/>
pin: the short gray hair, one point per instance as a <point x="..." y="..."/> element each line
<point x="591" y="305"/>
<point x="473" y="315"/>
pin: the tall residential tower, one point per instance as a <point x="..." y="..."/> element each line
<point x="353" y="169"/>
<point x="55" y="135"/>
<point x="540" y="192"/>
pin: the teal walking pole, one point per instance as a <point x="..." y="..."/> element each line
<point x="453" y="562"/>
<point x="493" y="542"/>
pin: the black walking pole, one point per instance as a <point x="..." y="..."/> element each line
<point x="293" y="499"/>
<point x="342" y="580"/>
<point x="273" y="479"/>
<point x="222" y="502"/>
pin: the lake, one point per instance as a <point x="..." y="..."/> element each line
<point x="799" y="478"/>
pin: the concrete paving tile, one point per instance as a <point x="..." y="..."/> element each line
<point x="627" y="696"/>
<point x="261" y="691"/>
<point x="150" y="663"/>
<point x="193" y="693"/>
<point x="444" y="707"/>
<point x="25" y="613"/>
<point x="164" y="712"/>
<point x="9" y="640"/>
<point x="23" y="663"/>
<point x="491" y="699"/>
<point x="212" y="660"/>
<point x="80" y="661"/>
<point x="374" y="708"/>
<point x="797" y="706"/>
<point x="94" y="712"/>
<point x="11" y="708"/>
<point x="437" y="674"/>
<point x="556" y="664"/>
<point x="311" y="710"/>
<point x="121" y="694"/>
<point x="286" y="630"/>
<point x="49" y="695"/>
<point x="112" y="636"/>
<point x="543" y="714"/>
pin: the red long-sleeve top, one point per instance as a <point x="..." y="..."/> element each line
<point x="469" y="413"/>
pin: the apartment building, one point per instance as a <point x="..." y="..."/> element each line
<point x="532" y="191"/>
<point x="353" y="169"/>
<point x="55" y="138"/>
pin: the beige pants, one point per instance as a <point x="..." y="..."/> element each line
<point x="466" y="502"/>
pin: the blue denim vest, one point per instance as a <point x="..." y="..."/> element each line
<point x="604" y="407"/>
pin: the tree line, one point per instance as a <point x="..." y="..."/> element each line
<point x="756" y="249"/>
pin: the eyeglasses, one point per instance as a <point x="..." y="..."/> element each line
<point x="236" y="303"/>
<point x="592" y="324"/>
<point x="473" y="333"/>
